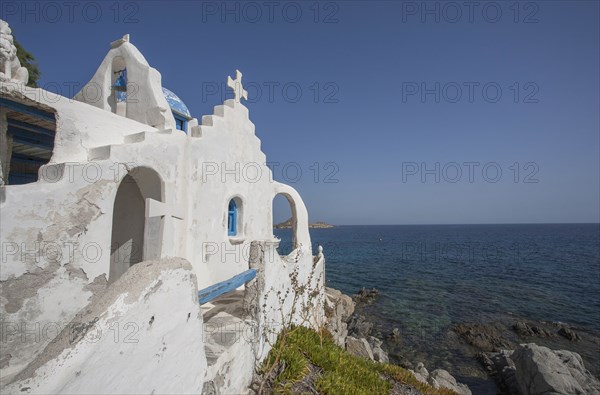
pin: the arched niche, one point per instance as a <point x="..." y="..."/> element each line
<point x="135" y="237"/>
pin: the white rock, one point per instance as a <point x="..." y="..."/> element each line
<point x="359" y="347"/>
<point x="441" y="378"/>
<point x="421" y="373"/>
<point x="540" y="370"/>
<point x="144" y="335"/>
<point x="339" y="308"/>
<point x="378" y="353"/>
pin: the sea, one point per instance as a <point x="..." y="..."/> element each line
<point x="433" y="277"/>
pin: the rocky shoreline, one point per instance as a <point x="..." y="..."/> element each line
<point x="521" y="356"/>
<point x="525" y="367"/>
<point x="353" y="332"/>
<point x="533" y="369"/>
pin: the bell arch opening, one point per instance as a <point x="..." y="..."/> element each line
<point x="283" y="210"/>
<point x="118" y="85"/>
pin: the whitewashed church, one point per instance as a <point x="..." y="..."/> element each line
<point x="122" y="174"/>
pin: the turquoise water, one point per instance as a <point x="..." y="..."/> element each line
<point x="434" y="276"/>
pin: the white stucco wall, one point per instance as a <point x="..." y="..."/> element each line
<point x="144" y="335"/>
<point x="226" y="162"/>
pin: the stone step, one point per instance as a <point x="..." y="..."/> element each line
<point x="196" y="131"/>
<point x="224" y="338"/>
<point x="223" y="326"/>
<point x="219" y="110"/>
<point x="135" y="138"/>
<point x="99" y="153"/>
<point x="141" y="136"/>
<point x="103" y="152"/>
<point x="207" y="120"/>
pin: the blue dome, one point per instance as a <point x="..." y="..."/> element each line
<point x="175" y="103"/>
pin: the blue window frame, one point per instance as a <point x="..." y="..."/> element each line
<point x="181" y="123"/>
<point x="232" y="218"/>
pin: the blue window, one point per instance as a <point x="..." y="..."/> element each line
<point x="120" y="86"/>
<point x="232" y="218"/>
<point x="180" y="122"/>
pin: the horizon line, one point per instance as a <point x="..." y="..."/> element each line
<point x="455" y="224"/>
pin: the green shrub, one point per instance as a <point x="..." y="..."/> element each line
<point x="339" y="371"/>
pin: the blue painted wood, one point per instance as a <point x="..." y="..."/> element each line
<point x="30" y="127"/>
<point x="218" y="289"/>
<point x="32" y="137"/>
<point x="15" y="178"/>
<point x="35" y="112"/>
<point x="25" y="159"/>
<point x="29" y="143"/>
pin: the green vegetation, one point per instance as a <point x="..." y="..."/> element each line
<point x="303" y="358"/>
<point x="28" y="61"/>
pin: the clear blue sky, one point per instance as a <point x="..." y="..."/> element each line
<point x="369" y="64"/>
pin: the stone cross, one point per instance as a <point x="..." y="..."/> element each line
<point x="238" y="90"/>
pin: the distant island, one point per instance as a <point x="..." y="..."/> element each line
<point x="316" y="225"/>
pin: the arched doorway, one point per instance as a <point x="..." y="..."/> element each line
<point x="285" y="222"/>
<point x="135" y="237"/>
